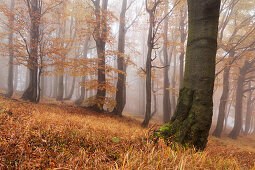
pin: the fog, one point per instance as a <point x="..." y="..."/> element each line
<point x="65" y="25"/>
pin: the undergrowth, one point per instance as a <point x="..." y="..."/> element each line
<point x="69" y="137"/>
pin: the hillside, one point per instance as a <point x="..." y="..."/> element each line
<point x="68" y="137"/>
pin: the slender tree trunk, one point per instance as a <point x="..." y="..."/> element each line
<point x="55" y="86"/>
<point x="100" y="38"/>
<point x="83" y="90"/>
<point x="11" y="51"/>
<point x="150" y="44"/>
<point x="31" y="92"/>
<point x="43" y="90"/>
<point x="238" y="107"/>
<point x="248" y="113"/>
<point x="16" y="78"/>
<point x="154" y="99"/>
<point x="223" y="101"/>
<point x="173" y="101"/>
<point x="60" y="89"/>
<point x="193" y="116"/>
<point x="121" y="84"/>
<point x="166" y="94"/>
<point x="69" y="96"/>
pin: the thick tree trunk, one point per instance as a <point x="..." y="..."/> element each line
<point x="248" y="113"/>
<point x="11" y="51"/>
<point x="223" y="101"/>
<point x="121" y="84"/>
<point x="193" y="116"/>
<point x="238" y="107"/>
<point x="31" y="92"/>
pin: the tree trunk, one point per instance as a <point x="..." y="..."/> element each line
<point x="16" y="78"/>
<point x="173" y="101"/>
<point x="248" y="113"/>
<point x="121" y="84"/>
<point x="71" y="90"/>
<point x="54" y="86"/>
<point x="238" y="107"/>
<point x="42" y="85"/>
<point x="11" y="51"/>
<point x="32" y="91"/>
<point x="150" y="44"/>
<point x="166" y="93"/>
<point x="193" y="116"/>
<point x="83" y="90"/>
<point x="60" y="89"/>
<point x="100" y="38"/>
<point x="223" y="101"/>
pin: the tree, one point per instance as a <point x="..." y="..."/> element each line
<point x="121" y="86"/>
<point x="248" y="118"/>
<point x="11" y="51"/>
<point x="193" y="116"/>
<point x="100" y="36"/>
<point x="230" y="43"/>
<point x="150" y="44"/>
<point x="85" y="53"/>
<point x="35" y="9"/>
<point x="166" y="95"/>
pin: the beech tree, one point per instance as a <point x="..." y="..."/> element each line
<point x="11" y="51"/>
<point x="193" y="116"/>
<point x="35" y="12"/>
<point x="100" y="36"/>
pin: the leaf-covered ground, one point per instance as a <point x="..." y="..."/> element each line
<point x="69" y="137"/>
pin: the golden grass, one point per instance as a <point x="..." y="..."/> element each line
<point x="68" y="137"/>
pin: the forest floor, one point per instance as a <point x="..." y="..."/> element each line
<point x="61" y="136"/>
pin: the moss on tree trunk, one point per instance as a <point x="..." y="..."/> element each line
<point x="193" y="116"/>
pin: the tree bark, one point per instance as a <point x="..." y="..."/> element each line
<point x="150" y="44"/>
<point x="173" y="101"/>
<point x="121" y="84"/>
<point x="100" y="38"/>
<point x="71" y="90"/>
<point x="166" y="93"/>
<point x="11" y="51"/>
<point x="238" y="107"/>
<point x="60" y="89"/>
<point x="193" y="116"/>
<point x="248" y="113"/>
<point x="35" y="16"/>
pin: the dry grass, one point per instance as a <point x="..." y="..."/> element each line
<point x="61" y="136"/>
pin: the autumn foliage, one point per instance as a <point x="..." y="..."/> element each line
<point x="69" y="137"/>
